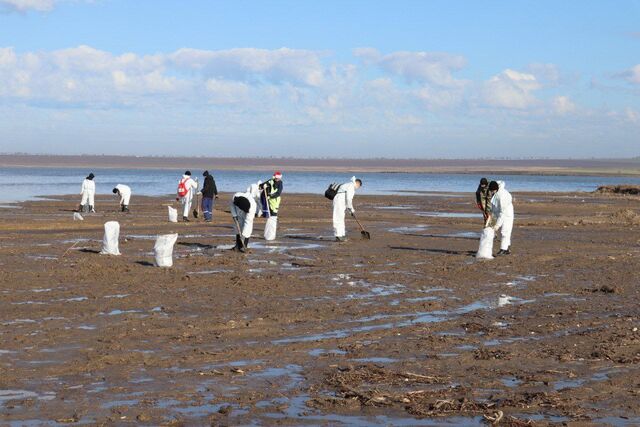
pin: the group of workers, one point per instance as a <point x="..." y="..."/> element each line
<point x="496" y="204"/>
<point x="262" y="199"/>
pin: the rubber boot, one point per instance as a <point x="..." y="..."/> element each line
<point x="91" y="209"/>
<point x="245" y="248"/>
<point x="80" y="208"/>
<point x="238" y="245"/>
<point x="185" y="219"/>
<point x="125" y="208"/>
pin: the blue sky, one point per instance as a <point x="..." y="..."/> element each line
<point x="321" y="79"/>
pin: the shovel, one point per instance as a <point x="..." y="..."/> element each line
<point x="266" y="201"/>
<point x="235" y="220"/>
<point x="364" y="233"/>
<point x="196" y="210"/>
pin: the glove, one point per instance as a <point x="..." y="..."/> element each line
<point x="495" y="228"/>
<point x="199" y="193"/>
<point x="177" y="199"/>
<point x="216" y="196"/>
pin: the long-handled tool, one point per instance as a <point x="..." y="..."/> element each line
<point x="266" y="201"/>
<point x="196" y="210"/>
<point x="235" y="220"/>
<point x="364" y="233"/>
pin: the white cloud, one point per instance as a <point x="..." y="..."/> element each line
<point x="632" y="75"/>
<point x="277" y="65"/>
<point x="435" y="68"/>
<point x="89" y="76"/>
<point x="511" y="89"/>
<point x="226" y="92"/>
<point x="632" y="115"/>
<point x="563" y="105"/>
<point x="25" y="5"/>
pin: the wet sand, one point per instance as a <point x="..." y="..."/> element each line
<point x="405" y="329"/>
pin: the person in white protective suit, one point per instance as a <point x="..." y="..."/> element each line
<point x="88" y="192"/>
<point x="343" y="202"/>
<point x="187" y="187"/>
<point x="244" y="207"/>
<point x="124" y="191"/>
<point x="502" y="213"/>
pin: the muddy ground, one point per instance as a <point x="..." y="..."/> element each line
<point x="405" y="329"/>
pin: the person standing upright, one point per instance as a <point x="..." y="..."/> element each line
<point x="186" y="189"/>
<point x="483" y="201"/>
<point x="502" y="213"/>
<point x="270" y="196"/>
<point x="209" y="193"/>
<point x="88" y="192"/>
<point x="343" y="202"/>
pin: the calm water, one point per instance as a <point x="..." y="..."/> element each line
<point x="27" y="183"/>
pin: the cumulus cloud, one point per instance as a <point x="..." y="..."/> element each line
<point x="563" y="105"/>
<point x="632" y="75"/>
<point x="632" y="115"/>
<point x="26" y="5"/>
<point x="277" y="65"/>
<point x="435" y="68"/>
<point x="91" y="76"/>
<point x="511" y="89"/>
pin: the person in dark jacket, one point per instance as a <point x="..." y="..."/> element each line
<point x="483" y="199"/>
<point x="209" y="193"/>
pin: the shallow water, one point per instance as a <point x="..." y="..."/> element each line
<point x="159" y="182"/>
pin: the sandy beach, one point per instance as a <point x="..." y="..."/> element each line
<point x="405" y="329"/>
<point x="584" y="167"/>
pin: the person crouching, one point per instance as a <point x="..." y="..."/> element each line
<point x="244" y="207"/>
<point x="124" y="191"/>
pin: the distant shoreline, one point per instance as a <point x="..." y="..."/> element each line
<point x="543" y="167"/>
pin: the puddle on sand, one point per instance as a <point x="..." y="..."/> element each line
<point x="282" y="247"/>
<point x="510" y="381"/>
<point x="6" y="395"/>
<point x="449" y="214"/>
<point x="116" y="403"/>
<point x="397" y="207"/>
<point x="565" y="384"/>
<point x="118" y="312"/>
<point x="409" y="229"/>
<point x="220" y="270"/>
<point x="375" y="360"/>
<point x="317" y="352"/>
<point x="43" y="257"/>
<point x="374" y="291"/>
<point x="296" y="409"/>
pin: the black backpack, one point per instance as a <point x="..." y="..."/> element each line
<point x="331" y="192"/>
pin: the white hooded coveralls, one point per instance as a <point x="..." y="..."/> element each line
<point x="245" y="219"/>
<point x="125" y="194"/>
<point x="341" y="202"/>
<point x="502" y="209"/>
<point x="88" y="192"/>
<point x="186" y="201"/>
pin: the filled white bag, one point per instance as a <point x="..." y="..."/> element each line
<point x="173" y="214"/>
<point x="110" y="239"/>
<point x="270" y="228"/>
<point x="485" y="251"/>
<point x="77" y="217"/>
<point x="163" y="249"/>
